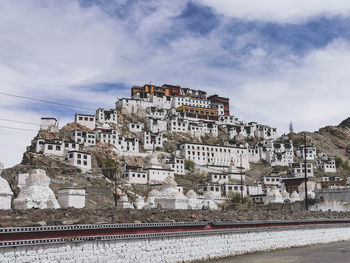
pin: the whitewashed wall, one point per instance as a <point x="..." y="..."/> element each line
<point x="174" y="249"/>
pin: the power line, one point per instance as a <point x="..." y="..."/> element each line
<point x="23" y="122"/>
<point x="14" y="128"/>
<point x="45" y="101"/>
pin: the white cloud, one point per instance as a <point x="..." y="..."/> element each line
<point x="312" y="93"/>
<point x="289" y="11"/>
<point x="53" y="49"/>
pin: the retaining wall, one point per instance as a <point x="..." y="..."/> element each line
<point x="178" y="248"/>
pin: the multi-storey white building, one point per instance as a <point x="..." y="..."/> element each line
<point x="176" y="124"/>
<point x="265" y="132"/>
<point x="79" y="159"/>
<point x="298" y="169"/>
<point x="254" y="154"/>
<point x="213" y="155"/>
<point x="134" y="174"/>
<point x="83" y="137"/>
<point x="326" y="163"/>
<point x="120" y="143"/>
<point x="152" y="141"/>
<point x="179" y="101"/>
<point x="157" y="113"/>
<point x="310" y="152"/>
<point x="86" y="120"/>
<point x="176" y="164"/>
<point x="156" y="125"/>
<point x="201" y="128"/>
<point x="157" y="173"/>
<point x="136" y="127"/>
<point x="106" y="117"/>
<point x="281" y="153"/>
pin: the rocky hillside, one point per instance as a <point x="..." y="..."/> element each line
<point x="333" y="140"/>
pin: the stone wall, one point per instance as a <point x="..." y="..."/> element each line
<point x="176" y="249"/>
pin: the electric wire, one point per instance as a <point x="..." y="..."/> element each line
<point x="45" y="101"/>
<point x="23" y="122"/>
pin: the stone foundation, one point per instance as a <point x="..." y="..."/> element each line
<point x="176" y="249"/>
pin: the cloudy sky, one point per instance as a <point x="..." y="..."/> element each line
<point x="277" y="60"/>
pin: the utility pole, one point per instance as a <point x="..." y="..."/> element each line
<point x="241" y="172"/>
<point x="305" y="173"/>
<point x="115" y="186"/>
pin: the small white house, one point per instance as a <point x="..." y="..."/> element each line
<point x="310" y="152"/>
<point x="234" y="188"/>
<point x="71" y="197"/>
<point x="106" y="117"/>
<point x="326" y="163"/>
<point x="50" y="147"/>
<point x="158" y="174"/>
<point x="214" y="188"/>
<point x="298" y="169"/>
<point x="134" y="174"/>
<point x="86" y="120"/>
<point x="271" y="180"/>
<point x="79" y="159"/>
<point x="49" y="124"/>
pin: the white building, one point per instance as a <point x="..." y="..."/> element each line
<point x="83" y="137"/>
<point x="50" y="147"/>
<point x="298" y="169"/>
<point x="176" y="124"/>
<point x="225" y="177"/>
<point x="79" y="159"/>
<point x="136" y="127"/>
<point x="255" y="190"/>
<point x="227" y="189"/>
<point x="86" y="120"/>
<point x="120" y="143"/>
<point x="266" y="132"/>
<point x="281" y="153"/>
<point x="310" y="152"/>
<point x="254" y="154"/>
<point x="152" y="141"/>
<point x="176" y="164"/>
<point x="49" y="124"/>
<point x="134" y="174"/>
<point x="214" y="188"/>
<point x="202" y="128"/>
<point x="157" y="113"/>
<point x="271" y="180"/>
<point x="326" y="163"/>
<point x="227" y="120"/>
<point x="106" y="117"/>
<point x="213" y="155"/>
<point x="71" y="197"/>
<point x="179" y="101"/>
<point x="156" y="125"/>
<point x="157" y="173"/>
<point x="132" y="106"/>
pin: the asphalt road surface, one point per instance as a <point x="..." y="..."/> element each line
<point x="333" y="252"/>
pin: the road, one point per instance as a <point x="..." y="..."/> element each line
<point x="333" y="252"/>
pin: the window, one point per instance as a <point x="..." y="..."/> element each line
<point x="78" y="162"/>
<point x="58" y="148"/>
<point x="49" y="147"/>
